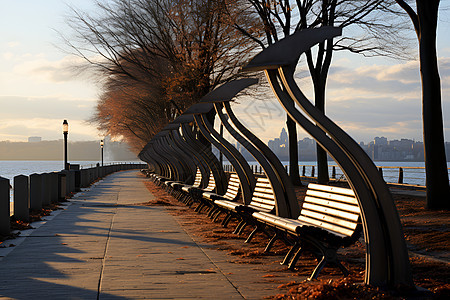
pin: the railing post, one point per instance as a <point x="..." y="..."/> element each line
<point x="21" y="197"/>
<point x="4" y="206"/>
<point x="333" y="172"/>
<point x="62" y="177"/>
<point x="303" y="171"/>
<point x="312" y="171"/>
<point x="400" y="175"/>
<point x="45" y="188"/>
<point x="35" y="191"/>
<point x="55" y="187"/>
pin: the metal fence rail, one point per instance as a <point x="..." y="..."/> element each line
<point x="393" y="175"/>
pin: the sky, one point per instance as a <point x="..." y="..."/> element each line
<point x="367" y="97"/>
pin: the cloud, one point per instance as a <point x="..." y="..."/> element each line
<point x="13" y="44"/>
<point x="19" y="129"/>
<point x="53" y="71"/>
<point x="44" y="107"/>
<point x="22" y="117"/>
<point x="395" y="80"/>
<point x="8" y="55"/>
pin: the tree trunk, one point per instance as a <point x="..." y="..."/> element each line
<point x="293" y="152"/>
<point x="437" y="180"/>
<point x="322" y="159"/>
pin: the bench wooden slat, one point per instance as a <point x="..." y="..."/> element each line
<point x="335" y="197"/>
<point x="337" y="230"/>
<point x="329" y="219"/>
<point x="341" y="206"/>
<point x="198" y="178"/>
<point x="263" y="185"/>
<point x="331" y="189"/>
<point x="326" y="210"/>
<point x="260" y="206"/>
<point x="263" y="201"/>
<point x="232" y="188"/>
<point x="229" y="205"/>
<point x="263" y="180"/>
<point x="232" y="193"/>
<point x="262" y="195"/>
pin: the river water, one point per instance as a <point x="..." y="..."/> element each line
<point x="11" y="168"/>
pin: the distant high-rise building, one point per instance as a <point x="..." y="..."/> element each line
<point x="34" y="139"/>
<point x="283" y="136"/>
<point x="380" y="141"/>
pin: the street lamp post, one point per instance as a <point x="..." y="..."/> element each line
<point x="101" y="146"/>
<point x="65" y="132"/>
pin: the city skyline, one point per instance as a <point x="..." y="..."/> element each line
<point x="379" y="149"/>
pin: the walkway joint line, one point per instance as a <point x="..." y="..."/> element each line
<point x="106" y="247"/>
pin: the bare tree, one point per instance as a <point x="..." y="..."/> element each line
<point x="163" y="55"/>
<point x="424" y="20"/>
<point x="370" y="34"/>
<point x="134" y="110"/>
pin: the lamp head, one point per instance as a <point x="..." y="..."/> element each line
<point x="65" y="127"/>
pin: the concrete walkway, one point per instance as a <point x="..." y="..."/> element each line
<point x="107" y="246"/>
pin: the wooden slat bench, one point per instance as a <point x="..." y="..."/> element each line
<point x="263" y="200"/>
<point x="231" y="194"/>
<point x="178" y="189"/>
<point x="197" y="182"/>
<point x="329" y="219"/>
<point x="197" y="193"/>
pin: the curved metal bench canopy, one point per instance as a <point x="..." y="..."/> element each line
<point x="216" y="169"/>
<point x="387" y="262"/>
<point x="286" y="202"/>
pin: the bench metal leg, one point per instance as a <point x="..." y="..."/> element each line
<point x="252" y="234"/>
<point x="227" y="219"/>
<point x="211" y="211"/>
<point x="199" y="207"/>
<point x="216" y="215"/>
<point x="271" y="242"/>
<point x="240" y="227"/>
<point x="295" y="258"/>
<point x="290" y="253"/>
<point x="323" y="262"/>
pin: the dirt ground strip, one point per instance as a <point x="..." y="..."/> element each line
<point x="426" y="232"/>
